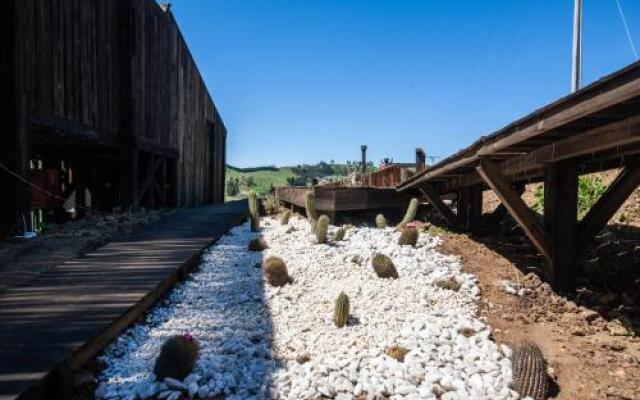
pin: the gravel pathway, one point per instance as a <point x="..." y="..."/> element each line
<point x="260" y="342"/>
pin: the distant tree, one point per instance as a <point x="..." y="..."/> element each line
<point x="251" y="181"/>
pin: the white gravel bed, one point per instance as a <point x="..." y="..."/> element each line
<point x="251" y="334"/>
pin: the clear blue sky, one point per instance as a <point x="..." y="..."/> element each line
<point x="301" y="81"/>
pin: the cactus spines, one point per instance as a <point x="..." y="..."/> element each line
<point x="310" y="206"/>
<point x="341" y="311"/>
<point x="381" y="221"/>
<point x="322" y="226"/>
<point x="383" y="266"/>
<point x="177" y="357"/>
<point x="258" y="244"/>
<point x="284" y="218"/>
<point x="408" y="237"/>
<point x="410" y="214"/>
<point x="339" y="235"/>
<point x="529" y="371"/>
<point x="276" y="271"/>
<point x="253" y="211"/>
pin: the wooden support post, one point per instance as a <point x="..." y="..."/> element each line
<point x="436" y="202"/>
<point x="620" y="189"/>
<point x="560" y="220"/>
<point x="470" y="207"/>
<point x="521" y="213"/>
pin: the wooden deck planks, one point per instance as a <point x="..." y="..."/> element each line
<point x="63" y="318"/>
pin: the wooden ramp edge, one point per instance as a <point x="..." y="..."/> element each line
<point x="23" y="374"/>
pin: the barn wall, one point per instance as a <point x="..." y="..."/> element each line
<point x="110" y="74"/>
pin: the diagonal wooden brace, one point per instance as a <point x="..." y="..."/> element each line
<point x="436" y="202"/>
<point x="524" y="216"/>
<point x="620" y="189"/>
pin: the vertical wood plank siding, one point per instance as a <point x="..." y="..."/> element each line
<point x="70" y="54"/>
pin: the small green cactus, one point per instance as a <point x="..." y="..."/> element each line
<point x="411" y="213"/>
<point x="310" y="205"/>
<point x="381" y="221"/>
<point x="258" y="244"/>
<point x="253" y="211"/>
<point x="341" y="311"/>
<point x="339" y="235"/>
<point x="177" y="357"/>
<point x="276" y="271"/>
<point x="322" y="226"/>
<point x="383" y="266"/>
<point x="408" y="237"/>
<point x="284" y="218"/>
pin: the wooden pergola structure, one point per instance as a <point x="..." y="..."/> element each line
<point x="594" y="129"/>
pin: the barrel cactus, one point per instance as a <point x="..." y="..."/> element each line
<point x="177" y="357"/>
<point x="339" y="235"/>
<point x="258" y="244"/>
<point x="276" y="271"/>
<point x="408" y="237"/>
<point x="253" y="211"/>
<point x="284" y="218"/>
<point x="410" y="214"/>
<point x="310" y="205"/>
<point x="341" y="311"/>
<point x="381" y="221"/>
<point x="529" y="371"/>
<point x="383" y="266"/>
<point x="322" y="226"/>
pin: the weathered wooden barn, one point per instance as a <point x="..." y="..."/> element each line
<point x="104" y="99"/>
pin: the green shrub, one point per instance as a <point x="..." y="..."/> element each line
<point x="590" y="190"/>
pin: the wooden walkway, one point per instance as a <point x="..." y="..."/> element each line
<point x="63" y="318"/>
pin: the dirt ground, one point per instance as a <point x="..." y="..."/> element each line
<point x="588" y="336"/>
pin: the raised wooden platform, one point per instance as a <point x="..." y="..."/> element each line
<point x="63" y="318"/>
<point x="335" y="200"/>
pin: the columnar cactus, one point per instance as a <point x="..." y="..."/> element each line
<point x="310" y="205"/>
<point x="276" y="271"/>
<point x="339" y="235"/>
<point x="177" y="357"/>
<point x="410" y="214"/>
<point x="381" y="221"/>
<point x="258" y="244"/>
<point x="341" y="311"/>
<point x="383" y="266"/>
<point x="529" y="372"/>
<point x="322" y="226"/>
<point x="253" y="211"/>
<point x="408" y="237"/>
<point x="284" y="218"/>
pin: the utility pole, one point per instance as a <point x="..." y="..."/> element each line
<point x="576" y="67"/>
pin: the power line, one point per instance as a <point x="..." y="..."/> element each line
<point x="626" y="28"/>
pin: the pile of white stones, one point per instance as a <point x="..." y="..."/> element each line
<point x="260" y="342"/>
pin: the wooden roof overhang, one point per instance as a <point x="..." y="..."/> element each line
<point x="599" y="125"/>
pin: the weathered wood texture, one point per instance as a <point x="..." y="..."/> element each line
<point x="109" y="74"/>
<point x="60" y="320"/>
<point x="339" y="199"/>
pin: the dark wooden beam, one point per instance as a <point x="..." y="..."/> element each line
<point x="433" y="198"/>
<point x="470" y="207"/>
<point x="61" y="128"/>
<point x="620" y="189"/>
<point x="560" y="220"/>
<point x="498" y="214"/>
<point x="524" y="216"/>
<point x="149" y="146"/>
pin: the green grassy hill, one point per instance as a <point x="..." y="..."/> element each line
<point x="262" y="179"/>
